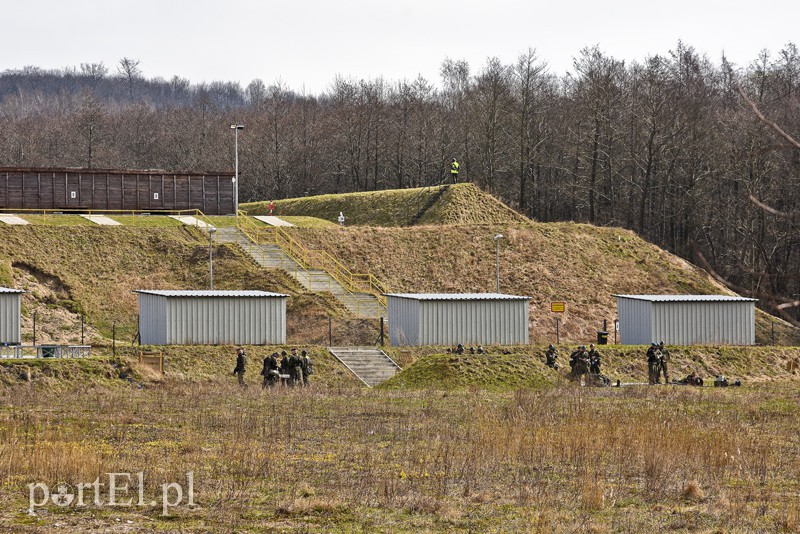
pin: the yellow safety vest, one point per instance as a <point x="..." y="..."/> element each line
<point x="454" y="168"/>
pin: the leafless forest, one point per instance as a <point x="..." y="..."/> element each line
<point x="667" y="146"/>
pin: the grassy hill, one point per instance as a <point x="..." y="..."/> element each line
<point x="489" y="443"/>
<point x="523" y="367"/>
<point x="92" y="270"/>
<point x="458" y="204"/>
<point x="577" y="263"/>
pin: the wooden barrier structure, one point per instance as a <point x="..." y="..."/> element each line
<point x="152" y="359"/>
<point x="66" y="189"/>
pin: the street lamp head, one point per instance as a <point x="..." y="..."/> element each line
<point x="237" y="126"/>
<point x="212" y="229"/>
<point x="499" y="236"/>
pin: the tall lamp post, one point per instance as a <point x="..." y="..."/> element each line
<point x="497" y="239"/>
<point x="211" y="231"/>
<point x="236" y="128"/>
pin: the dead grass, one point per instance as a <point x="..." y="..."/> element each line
<point x="557" y="460"/>
<point x="576" y="263"/>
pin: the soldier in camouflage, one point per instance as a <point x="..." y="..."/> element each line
<point x="662" y="368"/>
<point x="653" y="363"/>
<point x="241" y="363"/>
<point x="594" y="360"/>
<point x="551" y="356"/>
<point x="307" y="366"/>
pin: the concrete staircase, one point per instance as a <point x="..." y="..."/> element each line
<point x="363" y="305"/>
<point x="369" y="364"/>
<point x="428" y="205"/>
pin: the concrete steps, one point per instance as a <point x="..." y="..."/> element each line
<point x="272" y="257"/>
<point x="371" y="365"/>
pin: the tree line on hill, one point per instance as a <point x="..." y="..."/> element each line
<point x="668" y="146"/>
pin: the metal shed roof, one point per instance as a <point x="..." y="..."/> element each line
<point x="456" y="296"/>
<point x="10" y="290"/>
<point x="687" y="298"/>
<point x="208" y="293"/>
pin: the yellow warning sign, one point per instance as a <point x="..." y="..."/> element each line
<point x="558" y="307"/>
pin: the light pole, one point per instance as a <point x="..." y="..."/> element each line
<point x="211" y="231"/>
<point x="497" y="239"/>
<point x="236" y="128"/>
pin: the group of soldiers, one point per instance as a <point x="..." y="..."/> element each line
<point x="657" y="360"/>
<point x="460" y="349"/>
<point x="582" y="362"/>
<point x="291" y="370"/>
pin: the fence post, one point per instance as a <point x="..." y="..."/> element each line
<point x="330" y="331"/>
<point x="114" y="339"/>
<point x="34" y="328"/>
<point x="558" y="342"/>
<point x="82" y="343"/>
<point x="381" y="330"/>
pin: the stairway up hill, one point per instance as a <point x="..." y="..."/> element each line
<point x="272" y="257"/>
<point x="371" y="365"/>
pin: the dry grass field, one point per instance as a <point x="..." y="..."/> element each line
<point x="336" y="458"/>
<point x="516" y="456"/>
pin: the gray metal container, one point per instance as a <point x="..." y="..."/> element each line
<point x="10" y="316"/>
<point x="212" y="317"/>
<point x="686" y="319"/>
<point x="448" y="319"/>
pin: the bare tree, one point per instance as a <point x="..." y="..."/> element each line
<point x="128" y="69"/>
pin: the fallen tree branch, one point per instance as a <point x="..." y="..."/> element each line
<point x="765" y="120"/>
<point x="773" y="211"/>
<point x="778" y="304"/>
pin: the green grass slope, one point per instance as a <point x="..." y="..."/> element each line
<point x="461" y="203"/>
<point x="524" y="367"/>
<point x="207" y="365"/>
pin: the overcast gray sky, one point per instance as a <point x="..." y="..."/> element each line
<point x="306" y="43"/>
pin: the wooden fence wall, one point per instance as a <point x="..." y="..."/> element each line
<point x="97" y="190"/>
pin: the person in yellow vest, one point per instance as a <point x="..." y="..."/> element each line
<point x="454" y="171"/>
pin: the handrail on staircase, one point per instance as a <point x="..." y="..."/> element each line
<point x="323" y="260"/>
<point x="200" y="216"/>
<point x="310" y="258"/>
<point x="264" y="235"/>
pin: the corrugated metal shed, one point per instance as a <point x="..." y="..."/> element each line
<point x="170" y="317"/>
<point x="686" y="319"/>
<point x="448" y="319"/>
<point x="10" y="309"/>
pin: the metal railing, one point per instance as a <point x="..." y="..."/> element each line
<point x="307" y="259"/>
<point x="45" y="351"/>
<point x="293" y="260"/>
